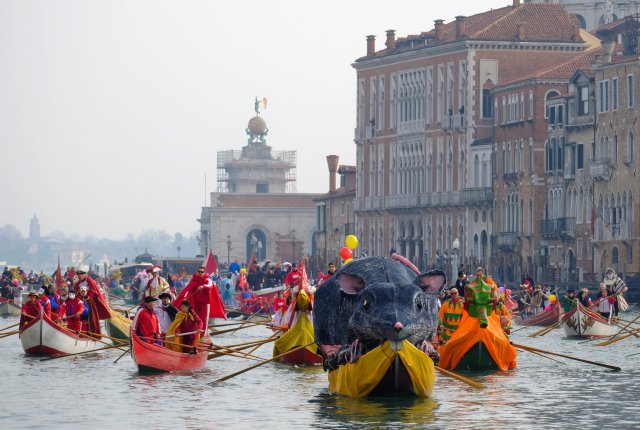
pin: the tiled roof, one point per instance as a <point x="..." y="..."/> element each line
<point x="540" y="23"/>
<point x="565" y="70"/>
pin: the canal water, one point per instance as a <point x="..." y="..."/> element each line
<point x="90" y="391"/>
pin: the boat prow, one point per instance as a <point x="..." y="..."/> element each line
<point x="383" y="371"/>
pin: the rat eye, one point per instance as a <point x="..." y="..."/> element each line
<point x="418" y="304"/>
<point x="365" y="304"/>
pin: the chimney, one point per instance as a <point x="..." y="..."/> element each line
<point x="516" y="3"/>
<point x="460" y="26"/>
<point x="438" y="25"/>
<point x="576" y="33"/>
<point x="607" y="47"/>
<point x="371" y="44"/>
<point x="521" y="32"/>
<point x="391" y="40"/>
<point x="332" y="162"/>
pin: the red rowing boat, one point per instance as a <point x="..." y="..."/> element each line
<point x="544" y="318"/>
<point x="155" y="358"/>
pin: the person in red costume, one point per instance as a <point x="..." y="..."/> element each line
<point x="204" y="297"/>
<point x="44" y="302"/>
<point x="99" y="304"/>
<point x="71" y="310"/>
<point x="30" y="309"/>
<point x="146" y="324"/>
<point x="191" y="323"/>
<point x="280" y="303"/>
<point x="294" y="277"/>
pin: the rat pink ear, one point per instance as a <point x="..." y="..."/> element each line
<point x="432" y="282"/>
<point x="350" y="284"/>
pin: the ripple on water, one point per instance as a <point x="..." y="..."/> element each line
<point x="539" y="394"/>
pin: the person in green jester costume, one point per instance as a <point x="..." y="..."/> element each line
<point x="480" y="296"/>
<point x="569" y="301"/>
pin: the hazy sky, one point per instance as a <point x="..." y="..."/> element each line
<point x="111" y="112"/>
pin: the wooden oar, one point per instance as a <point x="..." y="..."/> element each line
<point x="230" y="330"/>
<point x="468" y="381"/>
<point x="531" y="349"/>
<point x="271" y="338"/>
<point x="224" y="354"/>
<point x="10" y="326"/>
<point x="114" y="339"/>
<point x="246" y="322"/>
<point x="78" y="353"/>
<point x="123" y="354"/>
<point x="545" y="356"/>
<point x="613" y="338"/>
<point x="291" y="351"/>
<point x="10" y="333"/>
<point x="548" y="329"/>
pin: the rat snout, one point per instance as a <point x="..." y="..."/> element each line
<point x="398" y="326"/>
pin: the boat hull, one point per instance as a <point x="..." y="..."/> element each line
<point x="384" y="371"/>
<point x="41" y="336"/>
<point x="8" y="309"/>
<point x="477" y="358"/>
<point x="581" y="322"/>
<point x="153" y="358"/>
<point x="544" y="318"/>
<point x="300" y="334"/>
<point x="118" y="326"/>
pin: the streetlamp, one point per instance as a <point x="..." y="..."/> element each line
<point x="454" y="258"/>
<point x="228" y="250"/>
<point x="293" y="240"/>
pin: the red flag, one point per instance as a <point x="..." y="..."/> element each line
<point x="59" y="280"/>
<point x="210" y="266"/>
<point x="252" y="261"/>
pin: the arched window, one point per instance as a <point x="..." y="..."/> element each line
<point x="629" y="157"/>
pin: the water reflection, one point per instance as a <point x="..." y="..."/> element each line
<point x="376" y="412"/>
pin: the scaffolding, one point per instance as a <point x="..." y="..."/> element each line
<point x="230" y="159"/>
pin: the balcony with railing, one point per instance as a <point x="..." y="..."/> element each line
<point x="477" y="196"/>
<point x="453" y="122"/>
<point x="558" y="228"/>
<point x="512" y="176"/>
<point x="507" y="241"/>
<point x="580" y="121"/>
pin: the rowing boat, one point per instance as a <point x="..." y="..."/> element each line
<point x="474" y="348"/>
<point x="581" y="322"/>
<point x="151" y="358"/>
<point x="300" y="334"/>
<point x="9" y="309"/>
<point x="118" y="326"/>
<point x="385" y="370"/>
<point x="544" y="318"/>
<point x="42" y="336"/>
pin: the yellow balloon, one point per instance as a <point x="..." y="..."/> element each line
<point x="348" y="260"/>
<point x="552" y="298"/>
<point x="351" y="241"/>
